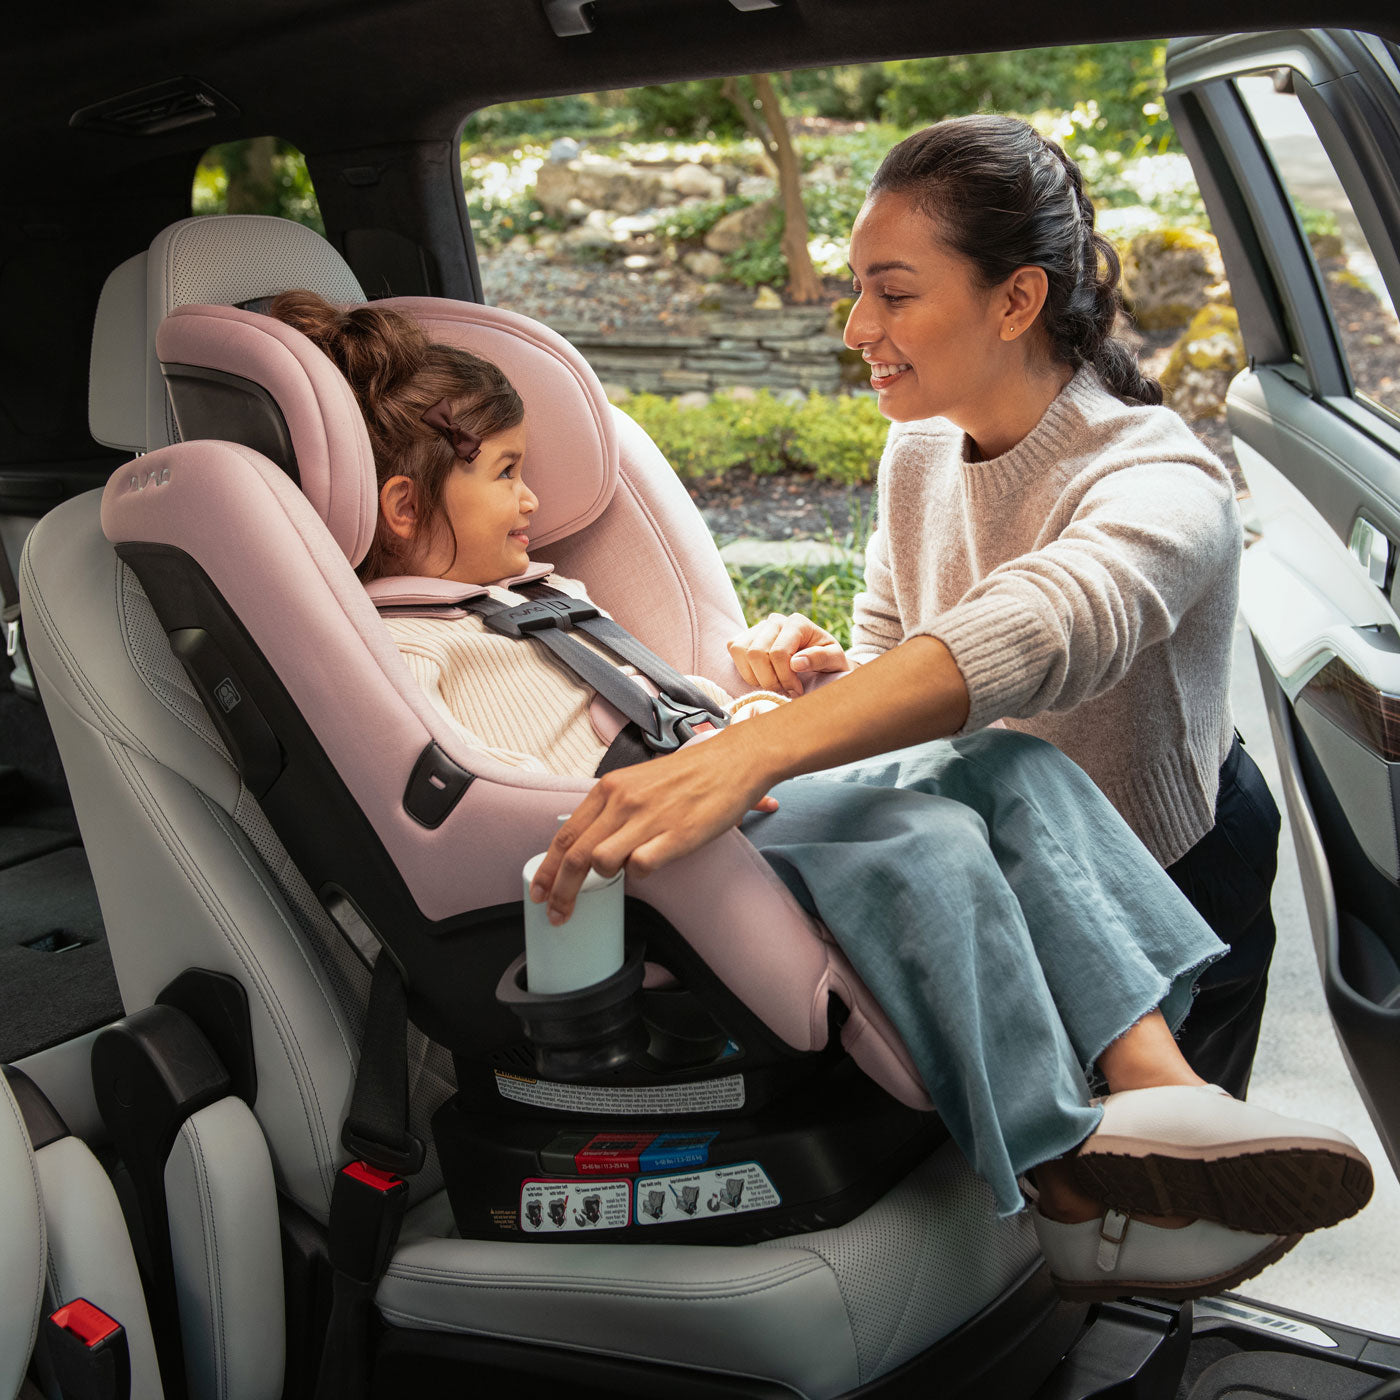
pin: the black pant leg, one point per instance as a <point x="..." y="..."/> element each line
<point x="1228" y="875"/>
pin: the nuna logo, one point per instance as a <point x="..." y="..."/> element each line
<point x="157" y="476"/>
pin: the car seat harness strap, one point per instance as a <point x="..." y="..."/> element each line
<point x="659" y="724"/>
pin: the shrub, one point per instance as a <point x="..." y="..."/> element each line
<point x="837" y="437"/>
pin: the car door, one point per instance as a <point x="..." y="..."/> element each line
<point x="1295" y="139"/>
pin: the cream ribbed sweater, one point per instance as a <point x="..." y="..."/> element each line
<point x="510" y="697"/>
<point x="1086" y="584"/>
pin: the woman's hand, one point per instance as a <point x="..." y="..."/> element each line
<point x="781" y="650"/>
<point x="649" y="814"/>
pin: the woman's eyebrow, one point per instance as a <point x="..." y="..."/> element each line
<point x="892" y="265"/>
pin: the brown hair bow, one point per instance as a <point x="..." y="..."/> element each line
<point x="465" y="444"/>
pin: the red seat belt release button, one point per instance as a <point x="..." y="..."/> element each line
<point x="367" y="1207"/>
<point x="88" y="1352"/>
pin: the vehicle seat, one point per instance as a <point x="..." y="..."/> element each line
<point x="64" y="1238"/>
<point x="192" y="874"/>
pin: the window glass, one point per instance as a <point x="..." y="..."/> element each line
<point x="1360" y="301"/>
<point x="260" y="175"/>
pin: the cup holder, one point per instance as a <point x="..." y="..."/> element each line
<point x="584" y="1032"/>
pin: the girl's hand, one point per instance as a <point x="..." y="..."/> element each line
<point x="781" y="650"/>
<point x="649" y="814"/>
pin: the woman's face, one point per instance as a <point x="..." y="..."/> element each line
<point x="487" y="507"/>
<point x="935" y="339"/>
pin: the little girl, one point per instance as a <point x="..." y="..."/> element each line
<point x="1011" y="925"/>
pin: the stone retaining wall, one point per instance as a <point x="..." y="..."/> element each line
<point x="794" y="348"/>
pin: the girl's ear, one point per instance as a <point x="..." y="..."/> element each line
<point x="398" y="505"/>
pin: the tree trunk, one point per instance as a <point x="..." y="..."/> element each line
<point x="764" y="118"/>
<point x="252" y="176"/>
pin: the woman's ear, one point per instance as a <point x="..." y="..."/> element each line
<point x="398" y="505"/>
<point x="1024" y="293"/>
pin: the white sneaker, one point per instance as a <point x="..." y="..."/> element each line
<point x="1119" y="1256"/>
<point x="1193" y="1150"/>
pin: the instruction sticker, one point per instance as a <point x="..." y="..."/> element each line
<point x="563" y="1207"/>
<point x="718" y="1191"/>
<point x="703" y="1096"/>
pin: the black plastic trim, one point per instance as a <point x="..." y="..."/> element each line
<point x="41" y="1119"/>
<point x="211" y="403"/>
<point x="218" y="1005"/>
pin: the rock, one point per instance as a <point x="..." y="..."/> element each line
<point x="576" y="210"/>
<point x="636" y="223"/>
<point x="703" y="264"/>
<point x="564" y="149"/>
<point x="638" y="262"/>
<point x="615" y="393"/>
<point x="755" y="187"/>
<point x="741" y="393"/>
<point x="741" y="227"/>
<point x="695" y="399"/>
<point x="547" y="242"/>
<point x="1203" y="362"/>
<point x="587" y="236"/>
<point x="767" y="300"/>
<point x="730" y="174"/>
<point x="521" y="243"/>
<point x="695" y="182"/>
<point x="600" y="183"/>
<point x="1170" y="274"/>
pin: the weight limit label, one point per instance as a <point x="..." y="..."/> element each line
<point x="705" y="1096"/>
<point x="716" y="1192"/>
<point x="567" y="1207"/>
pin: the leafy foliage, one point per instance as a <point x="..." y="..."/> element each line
<point x="822" y="592"/>
<point x="839" y="438"/>
<point x="282" y="187"/>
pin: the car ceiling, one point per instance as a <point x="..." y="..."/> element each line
<point x="384" y="85"/>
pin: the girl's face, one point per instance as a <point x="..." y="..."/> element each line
<point x="486" y="509"/>
<point x="936" y="340"/>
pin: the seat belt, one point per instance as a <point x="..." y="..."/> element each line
<point x="371" y="1193"/>
<point x="658" y="725"/>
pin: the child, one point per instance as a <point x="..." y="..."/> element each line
<point x="1011" y="925"/>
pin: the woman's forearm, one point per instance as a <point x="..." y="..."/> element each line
<point x="912" y="693"/>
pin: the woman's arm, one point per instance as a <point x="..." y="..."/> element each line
<point x="644" y="816"/>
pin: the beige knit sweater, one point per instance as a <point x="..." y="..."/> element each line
<point x="512" y="697"/>
<point x="1086" y="584"/>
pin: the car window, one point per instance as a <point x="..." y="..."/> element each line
<point x="260" y="175"/>
<point x="1346" y="266"/>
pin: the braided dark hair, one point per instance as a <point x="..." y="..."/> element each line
<point x="1003" y="197"/>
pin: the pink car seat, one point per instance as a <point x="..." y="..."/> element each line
<point x="352" y="813"/>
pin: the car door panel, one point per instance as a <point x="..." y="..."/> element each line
<point x="1323" y="467"/>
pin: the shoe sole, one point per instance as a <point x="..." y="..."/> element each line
<point x="1283" y="1190"/>
<point x="1180" y="1291"/>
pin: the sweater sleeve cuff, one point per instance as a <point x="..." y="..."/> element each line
<point x="1001" y="652"/>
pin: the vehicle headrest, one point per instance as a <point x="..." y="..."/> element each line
<point x="225" y="259"/>
<point x="239" y="376"/>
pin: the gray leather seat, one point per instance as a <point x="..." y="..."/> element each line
<point x="190" y="874"/>
<point x="64" y="1238"/>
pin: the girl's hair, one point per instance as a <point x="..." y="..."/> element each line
<point x="397" y="375"/>
<point x="1004" y="197"/>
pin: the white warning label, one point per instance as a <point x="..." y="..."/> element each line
<point x="705" y="1096"/>
<point x="682" y="1196"/>
<point x="557" y="1207"/>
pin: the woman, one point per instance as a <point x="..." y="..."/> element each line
<point x="1052" y="551"/>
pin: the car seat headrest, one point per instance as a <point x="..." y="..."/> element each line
<point x="226" y="259"/>
<point x="241" y="377"/>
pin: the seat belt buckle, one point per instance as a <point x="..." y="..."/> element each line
<point x="367" y="1207"/>
<point x="676" y="725"/>
<point x="540" y="614"/>
<point x="88" y="1352"/>
<point x="12" y="634"/>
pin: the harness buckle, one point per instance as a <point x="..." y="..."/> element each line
<point x="674" y="725"/>
<point x="539" y="614"/>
